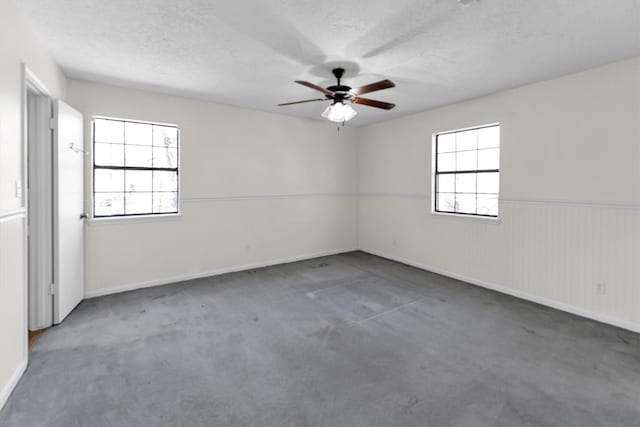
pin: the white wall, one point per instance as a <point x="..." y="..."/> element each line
<point x="17" y="46"/>
<point x="256" y="188"/>
<point x="569" y="202"/>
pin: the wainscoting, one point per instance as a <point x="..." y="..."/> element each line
<point x="13" y="327"/>
<point x="580" y="257"/>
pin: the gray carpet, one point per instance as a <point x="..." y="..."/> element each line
<point x="349" y="340"/>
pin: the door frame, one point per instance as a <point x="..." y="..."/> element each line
<point x="39" y="300"/>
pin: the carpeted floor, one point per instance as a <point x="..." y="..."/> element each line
<point x="349" y="340"/>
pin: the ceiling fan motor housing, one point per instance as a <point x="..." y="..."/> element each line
<point x="341" y="92"/>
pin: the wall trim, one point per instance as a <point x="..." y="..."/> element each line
<point x="624" y="324"/>
<point x="232" y="197"/>
<point x="395" y="195"/>
<point x="515" y="200"/>
<point x="399" y="195"/>
<point x="13" y="214"/>
<point x="570" y="203"/>
<point x="8" y="388"/>
<point x="632" y="326"/>
<point x="215" y="272"/>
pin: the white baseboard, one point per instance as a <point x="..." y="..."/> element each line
<point x="216" y="272"/>
<point x="632" y="326"/>
<point x="624" y="324"/>
<point x="7" y="389"/>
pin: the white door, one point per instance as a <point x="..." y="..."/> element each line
<point x="68" y="210"/>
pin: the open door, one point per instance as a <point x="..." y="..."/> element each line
<point x="68" y="210"/>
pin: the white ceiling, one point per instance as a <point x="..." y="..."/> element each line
<point x="248" y="52"/>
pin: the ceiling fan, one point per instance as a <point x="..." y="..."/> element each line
<point x="339" y="111"/>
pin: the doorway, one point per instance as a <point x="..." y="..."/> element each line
<point x="54" y="172"/>
<point x="39" y="201"/>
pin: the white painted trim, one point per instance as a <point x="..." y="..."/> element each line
<point x="216" y="272"/>
<point x="13" y="214"/>
<point x="571" y="203"/>
<point x="392" y="195"/>
<point x="232" y="197"/>
<point x="132" y="219"/>
<point x="397" y="195"/>
<point x="624" y="324"/>
<point x="30" y="79"/>
<point x="11" y="384"/>
<point x="37" y="307"/>
<point x="509" y="200"/>
<point x="464" y="217"/>
<point x="134" y="120"/>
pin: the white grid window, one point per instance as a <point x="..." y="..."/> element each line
<point x="467" y="171"/>
<point x="135" y="168"/>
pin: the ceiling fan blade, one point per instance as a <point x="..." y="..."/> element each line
<point x="373" y="103"/>
<point x="300" y="102"/>
<point x="382" y="84"/>
<point x="316" y="87"/>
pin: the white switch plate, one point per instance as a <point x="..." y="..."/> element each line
<point x="18" y="189"/>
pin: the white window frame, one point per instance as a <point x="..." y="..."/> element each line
<point x="128" y="218"/>
<point x="434" y="173"/>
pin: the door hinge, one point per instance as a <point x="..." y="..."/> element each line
<point x="52" y="122"/>
<point x="52" y="289"/>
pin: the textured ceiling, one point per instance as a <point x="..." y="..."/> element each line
<point x="248" y="52"/>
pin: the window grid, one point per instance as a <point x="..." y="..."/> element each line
<point x="125" y="168"/>
<point x="456" y="172"/>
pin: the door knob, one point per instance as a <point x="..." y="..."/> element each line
<point x="84" y="216"/>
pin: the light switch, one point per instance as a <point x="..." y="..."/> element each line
<point x="18" y="189"/>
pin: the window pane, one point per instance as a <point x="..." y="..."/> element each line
<point x="107" y="180"/>
<point x="466" y="203"/>
<point x="467" y="140"/>
<point x="466" y="160"/>
<point x="108" y="154"/>
<point x="446" y="202"/>
<point x="466" y="183"/>
<point x="489" y="159"/>
<point x="137" y="133"/>
<point x="488" y="204"/>
<point x="446" y="162"/>
<point x="446" y="183"/>
<point x="165" y="202"/>
<point x="137" y="203"/>
<point x="165" y="181"/>
<point x="139" y="180"/>
<point x="165" y="136"/>
<point x="489" y="182"/>
<point x="165" y="157"/>
<point x="446" y="143"/>
<point x="489" y="137"/>
<point x="124" y="144"/>
<point x="108" y="131"/>
<point x="138" y="156"/>
<point x="106" y="204"/>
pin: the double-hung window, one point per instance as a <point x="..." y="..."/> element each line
<point x="135" y="168"/>
<point x="467" y="171"/>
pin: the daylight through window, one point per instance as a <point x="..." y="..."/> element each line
<point x="135" y="168"/>
<point x="467" y="171"/>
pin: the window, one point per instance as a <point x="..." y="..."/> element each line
<point x="467" y="171"/>
<point x="135" y="168"/>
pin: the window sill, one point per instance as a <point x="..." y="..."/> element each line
<point x="133" y="219"/>
<point x="463" y="217"/>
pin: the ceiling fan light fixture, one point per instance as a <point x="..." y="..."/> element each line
<point x="339" y="112"/>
